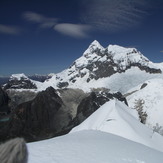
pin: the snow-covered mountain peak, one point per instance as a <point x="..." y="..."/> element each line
<point x="93" y="47"/>
<point x="18" y="76"/>
<point x="98" y="63"/>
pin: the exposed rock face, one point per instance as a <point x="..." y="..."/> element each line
<point x="41" y="118"/>
<point x="4" y="100"/>
<point x="47" y="115"/>
<point x="91" y="103"/>
<point x="72" y="98"/>
<point x="18" y="97"/>
<point x="19" y="81"/>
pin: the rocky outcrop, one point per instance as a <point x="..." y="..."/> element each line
<point x="72" y="98"/>
<point x="43" y="117"/>
<point x="49" y="115"/>
<point x="4" y="100"/>
<point x="18" y="97"/>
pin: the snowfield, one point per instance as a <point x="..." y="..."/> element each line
<point x="121" y="82"/>
<point x="91" y="147"/>
<point x="105" y="137"/>
<point x="151" y="97"/>
<point x="116" y="118"/>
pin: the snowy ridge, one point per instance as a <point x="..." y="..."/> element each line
<point x="116" y="118"/>
<point x="105" y="137"/>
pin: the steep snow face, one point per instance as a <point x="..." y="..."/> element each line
<point x="116" y="118"/>
<point x="103" y="137"/>
<point x="98" y="63"/>
<point x="147" y="99"/>
<point x="91" y="147"/>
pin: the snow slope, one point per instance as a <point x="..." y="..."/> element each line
<point x="151" y="97"/>
<point x="110" y="135"/>
<point x="116" y="118"/>
<point x="91" y="147"/>
<point x="121" y="82"/>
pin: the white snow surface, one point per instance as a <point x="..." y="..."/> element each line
<point x="121" y="82"/>
<point x="111" y="135"/>
<point x="91" y="147"/>
<point x="152" y="98"/>
<point x="116" y="118"/>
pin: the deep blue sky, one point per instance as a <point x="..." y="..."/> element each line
<point x="46" y="36"/>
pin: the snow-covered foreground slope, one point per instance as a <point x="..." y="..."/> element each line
<point x="116" y="118"/>
<point x="105" y="137"/>
<point x="150" y="99"/>
<point x="91" y="147"/>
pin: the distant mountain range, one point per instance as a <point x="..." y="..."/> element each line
<point x="40" y="78"/>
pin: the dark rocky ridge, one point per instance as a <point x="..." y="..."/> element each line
<point x="18" y="97"/>
<point x="41" y="118"/>
<point x="47" y="115"/>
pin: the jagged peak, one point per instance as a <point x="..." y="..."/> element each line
<point x="93" y="47"/>
<point x="96" y="43"/>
